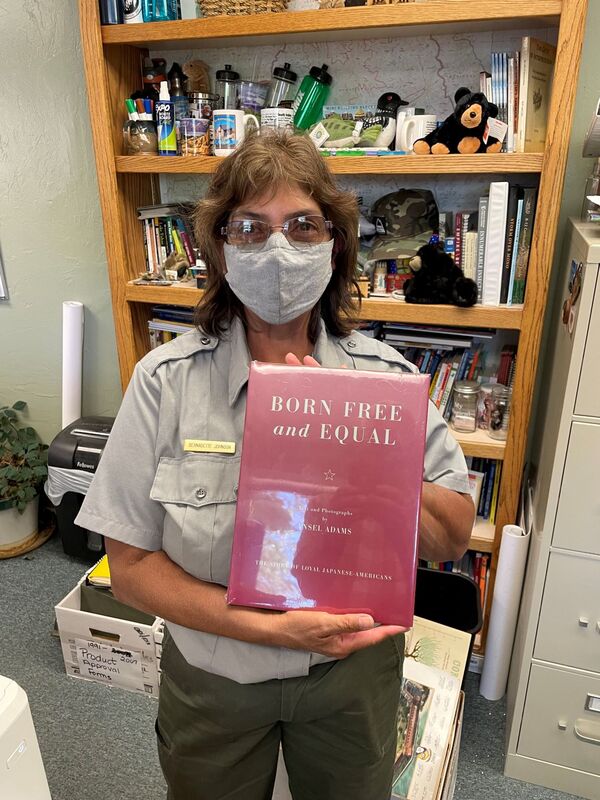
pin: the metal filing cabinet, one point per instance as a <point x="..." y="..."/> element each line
<point x="554" y="687"/>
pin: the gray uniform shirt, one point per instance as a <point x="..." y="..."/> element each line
<point x="150" y="493"/>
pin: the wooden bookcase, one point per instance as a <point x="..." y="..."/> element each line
<point x="113" y="57"/>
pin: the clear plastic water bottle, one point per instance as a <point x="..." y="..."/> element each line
<point x="311" y="97"/>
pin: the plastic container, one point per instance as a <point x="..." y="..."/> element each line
<point x="164" y="10"/>
<point x="202" y="104"/>
<point x="178" y="96"/>
<point x="195" y="137"/>
<point x="464" y="406"/>
<point x="311" y="97"/>
<point x="500" y="413"/>
<point x="280" y="87"/>
<point x="252" y="96"/>
<point x="227" y="87"/>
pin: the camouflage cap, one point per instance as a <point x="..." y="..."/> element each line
<point x="411" y="218"/>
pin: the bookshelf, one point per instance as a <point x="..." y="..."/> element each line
<point x="112" y="59"/>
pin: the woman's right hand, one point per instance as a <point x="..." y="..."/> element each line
<point x="335" y="635"/>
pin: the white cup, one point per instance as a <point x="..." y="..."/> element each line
<point x="230" y="128"/>
<point x="277" y="118"/>
<point x="414" y="128"/>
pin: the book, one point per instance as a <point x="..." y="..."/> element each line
<point x="481" y="233"/>
<point x="308" y="533"/>
<point x="430" y="700"/>
<point x="470" y="254"/>
<point x="515" y="251"/>
<point x="494" y="243"/>
<point x="514" y="194"/>
<point x="99" y="575"/>
<point x="537" y="66"/>
<point x="528" y="217"/>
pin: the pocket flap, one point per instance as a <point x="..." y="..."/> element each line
<point x="197" y="480"/>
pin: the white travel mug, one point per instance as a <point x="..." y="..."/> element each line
<point x="230" y="128"/>
<point x="277" y="118"/>
<point x="414" y="128"/>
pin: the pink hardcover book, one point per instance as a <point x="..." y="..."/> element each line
<point x="329" y="494"/>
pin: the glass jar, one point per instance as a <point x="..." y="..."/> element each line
<point x="484" y="405"/>
<point x="500" y="412"/>
<point x="464" y="406"/>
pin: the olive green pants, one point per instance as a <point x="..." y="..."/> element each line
<point x="219" y="740"/>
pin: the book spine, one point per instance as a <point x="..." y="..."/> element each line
<point x="509" y="239"/>
<point x="523" y="86"/>
<point x="483" y="571"/>
<point x="443" y="227"/>
<point x="152" y="245"/>
<point x="510" y="134"/>
<point x="495" y="492"/>
<point x="458" y="218"/>
<point x="481" y="233"/>
<point x="515" y="251"/>
<point x="489" y="489"/>
<point x="529" y="202"/>
<point x="463" y="238"/>
<point x="162" y="232"/>
<point x="494" y="243"/>
<point x="185" y="241"/>
<point x="448" y="387"/>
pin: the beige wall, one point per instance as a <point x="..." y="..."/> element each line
<point x="50" y="227"/>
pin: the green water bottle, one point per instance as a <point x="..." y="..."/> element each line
<point x="311" y="97"/>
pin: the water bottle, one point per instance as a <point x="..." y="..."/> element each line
<point x="282" y="81"/>
<point x="311" y="97"/>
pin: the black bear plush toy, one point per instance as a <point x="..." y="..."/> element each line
<point x="464" y="131"/>
<point x="437" y="279"/>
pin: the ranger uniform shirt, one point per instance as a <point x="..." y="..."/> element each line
<point x="150" y="493"/>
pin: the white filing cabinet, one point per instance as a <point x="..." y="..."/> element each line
<point x="22" y="774"/>
<point x="554" y="686"/>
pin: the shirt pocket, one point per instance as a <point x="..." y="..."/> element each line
<point x="199" y="495"/>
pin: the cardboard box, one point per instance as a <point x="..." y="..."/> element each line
<point x="106" y="650"/>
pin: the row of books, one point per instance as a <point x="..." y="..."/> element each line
<point x="492" y="245"/>
<point x="449" y="355"/>
<point x="519" y="84"/>
<point x="485" y="475"/>
<point x="167" y="229"/>
<point x="168" y="322"/>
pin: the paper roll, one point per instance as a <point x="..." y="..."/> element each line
<point x="505" y="610"/>
<point x="72" y="361"/>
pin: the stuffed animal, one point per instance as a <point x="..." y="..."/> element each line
<point x="464" y="129"/>
<point x="197" y="76"/>
<point x="437" y="279"/>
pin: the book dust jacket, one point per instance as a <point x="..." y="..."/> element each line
<point x="330" y="489"/>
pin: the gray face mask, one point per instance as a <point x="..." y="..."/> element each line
<point x="279" y="283"/>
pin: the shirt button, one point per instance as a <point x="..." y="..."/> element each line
<point x="205" y="340"/>
<point x="235" y="491"/>
<point x="351" y="343"/>
<point x="200" y="493"/>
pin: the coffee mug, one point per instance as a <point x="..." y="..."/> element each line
<point x="277" y="118"/>
<point x="414" y="128"/>
<point x="229" y="127"/>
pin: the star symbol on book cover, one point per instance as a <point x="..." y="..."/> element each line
<point x="329" y="475"/>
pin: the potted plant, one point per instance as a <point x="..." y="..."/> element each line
<point x="23" y="469"/>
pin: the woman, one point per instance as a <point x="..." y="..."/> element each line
<point x="279" y="240"/>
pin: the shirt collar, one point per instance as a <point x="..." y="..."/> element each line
<point x="239" y="366"/>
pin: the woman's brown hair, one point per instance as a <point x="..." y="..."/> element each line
<point x="260" y="165"/>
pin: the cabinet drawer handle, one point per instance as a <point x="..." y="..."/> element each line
<point x="584" y="732"/>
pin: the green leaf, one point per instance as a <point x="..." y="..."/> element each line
<point x="20" y="405"/>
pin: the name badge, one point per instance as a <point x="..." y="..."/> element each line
<point x="208" y="446"/>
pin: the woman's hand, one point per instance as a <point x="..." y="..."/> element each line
<point x="335" y="635"/>
<point x="308" y="361"/>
